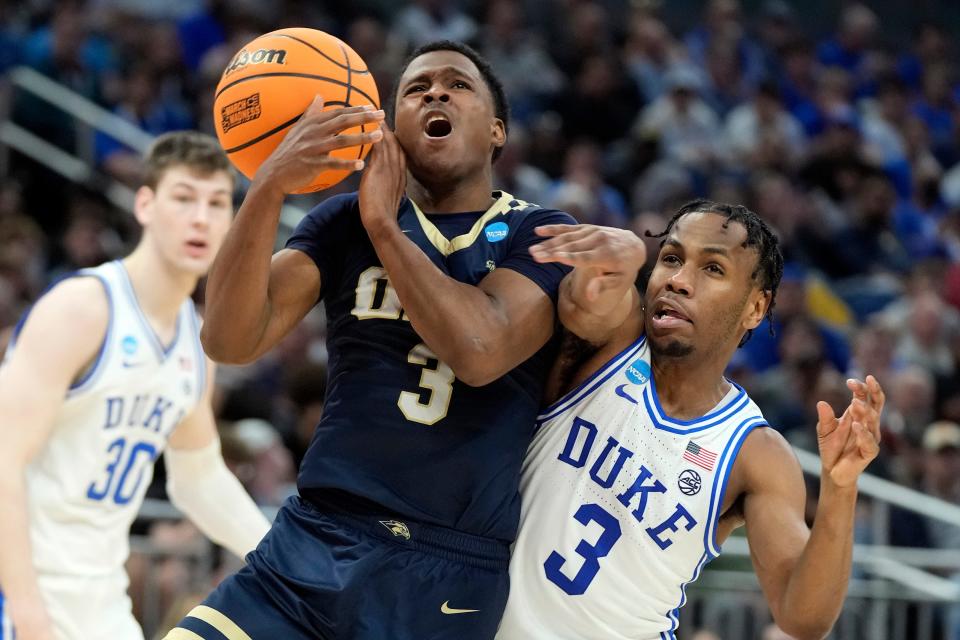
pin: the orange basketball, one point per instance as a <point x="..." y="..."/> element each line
<point x="269" y="84"/>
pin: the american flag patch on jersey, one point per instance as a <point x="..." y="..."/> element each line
<point x="699" y="456"/>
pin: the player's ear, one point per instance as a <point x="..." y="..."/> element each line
<point x="499" y="133"/>
<point x="757" y="305"/>
<point x="143" y="204"/>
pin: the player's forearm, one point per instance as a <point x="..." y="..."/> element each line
<point x="200" y="484"/>
<point x="593" y="320"/>
<point x="18" y="576"/>
<point x="237" y="296"/>
<point x="459" y="322"/>
<point x="818" y="584"/>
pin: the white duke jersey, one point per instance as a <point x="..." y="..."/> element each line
<point x="85" y="487"/>
<point x="620" y="504"/>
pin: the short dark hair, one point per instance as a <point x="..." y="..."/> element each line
<point x="500" y="106"/>
<point x="760" y="236"/>
<point x="196" y="151"/>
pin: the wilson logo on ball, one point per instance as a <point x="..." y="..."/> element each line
<point x="260" y="56"/>
<point x="243" y="110"/>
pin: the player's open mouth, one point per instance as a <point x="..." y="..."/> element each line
<point x="438" y="127"/>
<point x="666" y="314"/>
<point x="196" y="247"/>
<point x="669" y="313"/>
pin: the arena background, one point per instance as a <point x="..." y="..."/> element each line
<point x="837" y="122"/>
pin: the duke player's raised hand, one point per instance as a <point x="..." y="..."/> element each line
<point x="383" y="183"/>
<point x="848" y="443"/>
<point x="305" y="150"/>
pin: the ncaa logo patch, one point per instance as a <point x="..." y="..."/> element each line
<point x="129" y="345"/>
<point x="497" y="231"/>
<point x="638" y="372"/>
<point x="689" y="482"/>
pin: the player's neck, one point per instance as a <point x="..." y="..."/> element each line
<point x="160" y="289"/>
<point x="686" y="389"/>
<point x="451" y="197"/>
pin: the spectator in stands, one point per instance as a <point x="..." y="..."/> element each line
<point x="585" y="33"/>
<point x="938" y="110"/>
<point x="764" y="349"/>
<point x="941" y="477"/>
<point x="530" y="78"/>
<point x="723" y="22"/>
<point x="870" y="244"/>
<point x="424" y="21"/>
<point x="798" y="83"/>
<point x="725" y="83"/>
<point x="583" y="168"/>
<point x="848" y="47"/>
<point x="786" y="390"/>
<point x="514" y="172"/>
<point x="910" y="403"/>
<point x="762" y="134"/>
<point x="931" y="46"/>
<point x="600" y="103"/>
<point x="381" y="50"/>
<point x="650" y="53"/>
<point x="777" y="29"/>
<point x="684" y="124"/>
<point x="882" y="122"/>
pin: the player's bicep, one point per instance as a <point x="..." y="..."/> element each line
<point x="48" y="357"/>
<point x="773" y="510"/>
<point x="294" y="289"/>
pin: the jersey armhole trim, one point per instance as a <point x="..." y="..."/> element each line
<point x="592" y="383"/>
<point x="198" y="351"/>
<point x="719" y="490"/>
<point x="93" y="371"/>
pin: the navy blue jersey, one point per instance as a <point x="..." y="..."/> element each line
<point x="398" y="429"/>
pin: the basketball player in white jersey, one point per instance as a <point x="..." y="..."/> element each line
<point x="105" y="372"/>
<point x="637" y="476"/>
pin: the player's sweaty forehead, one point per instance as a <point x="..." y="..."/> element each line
<point x="441" y="63"/>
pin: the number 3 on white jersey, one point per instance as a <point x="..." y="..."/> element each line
<point x="438" y="380"/>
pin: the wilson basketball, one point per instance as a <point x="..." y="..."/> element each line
<point x="271" y="81"/>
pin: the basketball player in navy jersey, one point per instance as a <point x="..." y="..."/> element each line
<point x="440" y="326"/>
<point x="636" y="476"/>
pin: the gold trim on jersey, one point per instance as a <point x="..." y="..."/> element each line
<point x="446" y="247"/>
<point x="182" y="634"/>
<point x="218" y="621"/>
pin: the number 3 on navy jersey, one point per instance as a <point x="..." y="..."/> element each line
<point x="377" y="299"/>
<point x="438" y="380"/>
<point x="591" y="553"/>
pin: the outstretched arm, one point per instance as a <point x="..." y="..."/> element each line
<point x="598" y="297"/>
<point x="804" y="573"/>
<point x="254" y="300"/>
<point x="199" y="483"/>
<point x="482" y="331"/>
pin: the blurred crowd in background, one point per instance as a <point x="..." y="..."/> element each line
<point x="846" y="139"/>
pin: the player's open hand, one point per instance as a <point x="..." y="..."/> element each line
<point x="383" y="183"/>
<point x="305" y="150"/>
<point x="604" y="258"/>
<point x="848" y="443"/>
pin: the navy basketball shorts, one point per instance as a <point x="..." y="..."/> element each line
<point x="331" y="575"/>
